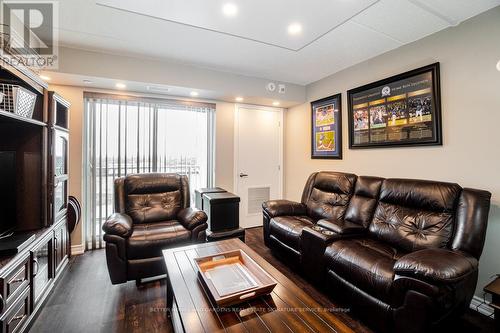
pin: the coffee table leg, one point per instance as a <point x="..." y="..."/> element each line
<point x="170" y="296"/>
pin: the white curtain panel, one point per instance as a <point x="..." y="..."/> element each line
<point x="128" y="135"/>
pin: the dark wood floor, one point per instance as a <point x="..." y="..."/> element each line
<point x="85" y="301"/>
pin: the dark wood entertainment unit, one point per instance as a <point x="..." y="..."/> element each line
<point x="40" y="149"/>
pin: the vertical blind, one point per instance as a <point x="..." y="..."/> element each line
<point x="125" y="135"/>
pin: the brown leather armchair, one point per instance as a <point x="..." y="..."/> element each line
<point x="152" y="213"/>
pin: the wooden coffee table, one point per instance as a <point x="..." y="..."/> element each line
<point x="286" y="309"/>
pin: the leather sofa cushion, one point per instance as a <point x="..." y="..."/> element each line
<point x="364" y="262"/>
<point x="329" y="195"/>
<point x="415" y="214"/>
<point x="148" y="240"/>
<point x="411" y="229"/>
<point x="288" y="229"/>
<point x="153" y="207"/>
<point x="152" y="183"/>
<point x="364" y="201"/>
<point x="421" y="194"/>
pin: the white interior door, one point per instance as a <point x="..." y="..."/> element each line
<point x="258" y="160"/>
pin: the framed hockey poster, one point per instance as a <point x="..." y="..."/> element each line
<point x="403" y="110"/>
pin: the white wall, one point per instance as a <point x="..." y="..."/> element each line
<point x="139" y="72"/>
<point x="470" y="88"/>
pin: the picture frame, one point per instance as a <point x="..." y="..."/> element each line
<point x="400" y="111"/>
<point x="326" y="128"/>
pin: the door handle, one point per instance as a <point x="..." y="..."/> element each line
<point x="243" y="175"/>
<point x="35" y="264"/>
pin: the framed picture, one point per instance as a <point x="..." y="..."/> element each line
<point x="326" y="133"/>
<point x="403" y="110"/>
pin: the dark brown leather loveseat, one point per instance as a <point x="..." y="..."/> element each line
<point x="402" y="253"/>
<point x="152" y="213"/>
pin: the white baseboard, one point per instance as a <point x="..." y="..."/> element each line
<point x="481" y="306"/>
<point x="77" y="249"/>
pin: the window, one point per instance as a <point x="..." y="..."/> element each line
<point x="126" y="135"/>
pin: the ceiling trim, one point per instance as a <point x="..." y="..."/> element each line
<point x="338" y="25"/>
<point x="434" y="12"/>
<point x="400" y="42"/>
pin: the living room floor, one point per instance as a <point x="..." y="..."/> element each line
<point x="85" y="301"/>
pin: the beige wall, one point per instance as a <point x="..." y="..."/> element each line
<point x="470" y="87"/>
<point x="74" y="95"/>
<point x="223" y="141"/>
<point x="224" y="146"/>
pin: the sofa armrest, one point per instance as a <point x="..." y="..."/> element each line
<point x="119" y="225"/>
<point x="191" y="217"/>
<point x="313" y="243"/>
<point x="436" y="265"/>
<point x="276" y="208"/>
<point x="341" y="226"/>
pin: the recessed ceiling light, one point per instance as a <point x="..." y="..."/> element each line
<point x="239" y="99"/>
<point x="294" y="29"/>
<point x="194" y="93"/>
<point x="87" y="82"/>
<point x="276" y="103"/>
<point x="230" y="9"/>
<point x="498" y="65"/>
<point x="45" y="77"/>
<point x="121" y="85"/>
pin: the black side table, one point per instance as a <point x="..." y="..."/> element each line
<point x="493" y="289"/>
<point x="223" y="210"/>
<point x="198" y="195"/>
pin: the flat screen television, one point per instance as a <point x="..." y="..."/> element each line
<point x="7" y="192"/>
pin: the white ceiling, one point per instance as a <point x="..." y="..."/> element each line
<point x="261" y="21"/>
<point x="336" y="33"/>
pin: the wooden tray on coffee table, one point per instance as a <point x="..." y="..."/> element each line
<point x="238" y="259"/>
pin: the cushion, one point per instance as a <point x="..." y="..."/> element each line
<point x="415" y="214"/>
<point x="152" y="183"/>
<point x="422" y="194"/>
<point x="149" y="239"/>
<point x="329" y="195"/>
<point x="287" y="229"/>
<point x="411" y="229"/>
<point x="364" y="262"/>
<point x="364" y="201"/>
<point x="153" y="207"/>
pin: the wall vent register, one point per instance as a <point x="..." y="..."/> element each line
<point x="256" y="196"/>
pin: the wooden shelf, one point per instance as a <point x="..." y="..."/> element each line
<point x="4" y="115"/>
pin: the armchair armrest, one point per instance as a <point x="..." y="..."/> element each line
<point x="341" y="226"/>
<point x="190" y="217"/>
<point x="119" y="225"/>
<point x="276" y="208"/>
<point x="436" y="265"/>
